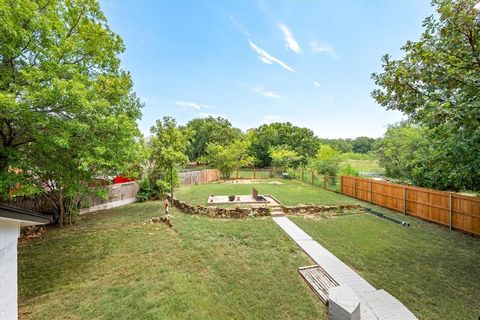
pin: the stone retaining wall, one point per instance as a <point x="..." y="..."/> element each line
<point x="306" y="209"/>
<point x="237" y="212"/>
<point x="216" y="212"/>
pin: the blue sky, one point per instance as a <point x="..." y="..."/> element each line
<point x="253" y="62"/>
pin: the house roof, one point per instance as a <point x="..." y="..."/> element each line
<point x="26" y="217"/>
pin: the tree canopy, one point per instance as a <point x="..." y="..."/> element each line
<point x="228" y="158"/>
<point x="68" y="110"/>
<point x="436" y="84"/>
<point x="301" y="140"/>
<point x="284" y="158"/>
<point x="168" y="151"/>
<point x="209" y="130"/>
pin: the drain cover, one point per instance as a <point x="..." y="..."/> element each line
<point x="318" y="280"/>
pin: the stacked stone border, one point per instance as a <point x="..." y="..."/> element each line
<point x="218" y="212"/>
<point x="260" y="211"/>
<point x="312" y="209"/>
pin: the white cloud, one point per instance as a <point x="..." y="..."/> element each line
<point x="268" y="58"/>
<point x="291" y="42"/>
<point x="316" y="84"/>
<point x="266" y="93"/>
<point x="188" y="105"/>
<point x="238" y="25"/>
<point x="323" y="48"/>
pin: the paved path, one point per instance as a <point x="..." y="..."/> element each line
<point x="375" y="304"/>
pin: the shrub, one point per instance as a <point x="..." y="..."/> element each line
<point x="348" y="170"/>
<point x="146" y="191"/>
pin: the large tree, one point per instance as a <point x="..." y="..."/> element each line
<point x="437" y="84"/>
<point x="398" y="150"/>
<point x="68" y="111"/>
<point x="228" y="158"/>
<point x="168" y="151"/>
<point x="284" y="158"/>
<point x="301" y="140"/>
<point x="209" y="130"/>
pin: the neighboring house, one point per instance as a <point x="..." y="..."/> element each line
<point x="11" y="219"/>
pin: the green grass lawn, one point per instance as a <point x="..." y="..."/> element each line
<point x="366" y="166"/>
<point x="290" y="192"/>
<point x="433" y="271"/>
<point x="112" y="266"/>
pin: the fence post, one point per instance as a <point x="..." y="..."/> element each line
<point x="271" y="172"/>
<point x="302" y="174"/>
<point x="324" y="182"/>
<point x="450" y="211"/>
<point x="355" y="187"/>
<point x="313" y="178"/>
<point x="254" y="173"/>
<point x="341" y="184"/>
<point x="404" y="200"/>
<point x="237" y="173"/>
<point x="370" y="191"/>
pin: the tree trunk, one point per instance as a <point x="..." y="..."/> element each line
<point x="171" y="185"/>
<point x="3" y="162"/>
<point x="61" y="202"/>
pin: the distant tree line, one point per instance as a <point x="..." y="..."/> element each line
<point x="303" y="141"/>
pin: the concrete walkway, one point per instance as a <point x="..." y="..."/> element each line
<point x="375" y="304"/>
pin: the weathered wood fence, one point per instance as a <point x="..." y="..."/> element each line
<point x="118" y="195"/>
<point x="39" y="204"/>
<point x="449" y="209"/>
<point x="199" y="176"/>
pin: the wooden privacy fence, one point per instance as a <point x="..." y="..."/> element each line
<point x="448" y="209"/>
<point x="199" y="176"/>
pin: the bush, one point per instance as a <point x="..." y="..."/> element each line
<point x="146" y="191"/>
<point x="151" y="191"/>
<point x="348" y="170"/>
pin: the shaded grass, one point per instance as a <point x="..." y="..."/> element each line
<point x="112" y="266"/>
<point x="290" y="192"/>
<point x="433" y="271"/>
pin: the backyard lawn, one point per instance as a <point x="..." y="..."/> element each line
<point x="433" y="271"/>
<point x="289" y="192"/>
<point x="112" y="266"/>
